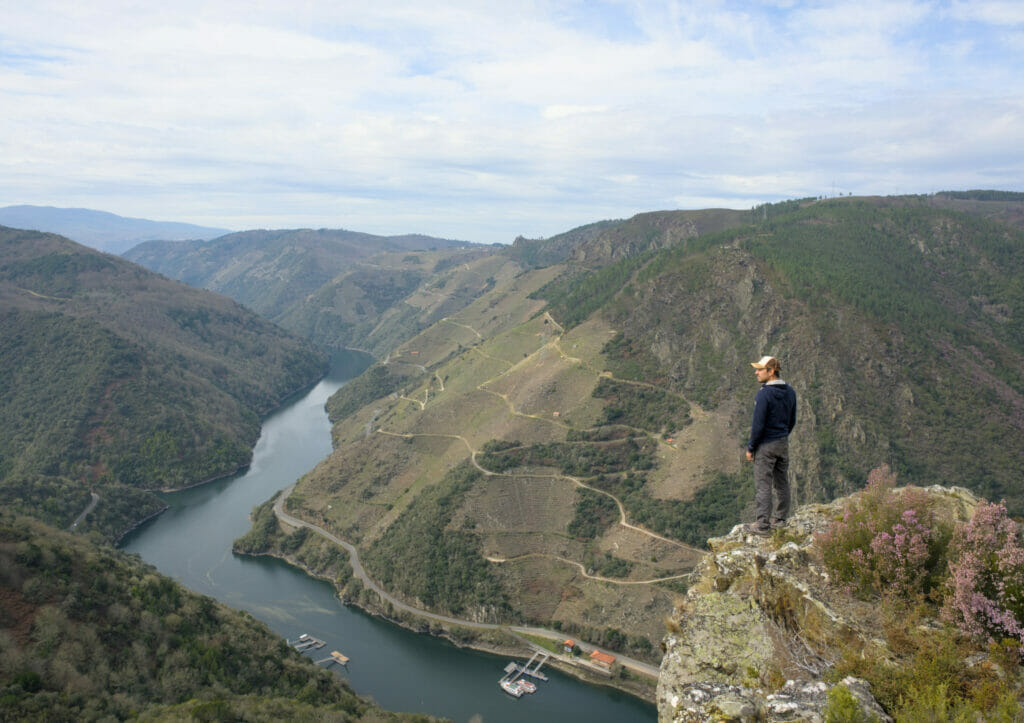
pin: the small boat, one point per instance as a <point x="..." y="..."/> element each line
<point x="512" y="687"/>
<point x="527" y="686"/>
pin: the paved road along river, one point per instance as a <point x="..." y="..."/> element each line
<point x="401" y="670"/>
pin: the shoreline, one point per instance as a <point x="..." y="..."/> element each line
<point x="240" y="469"/>
<point x="128" y="530"/>
<point x="638" y="690"/>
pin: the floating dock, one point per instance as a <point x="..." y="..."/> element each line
<point x="334" y="657"/>
<point x="514" y="684"/>
<point x="307" y="642"/>
<point x="527" y="670"/>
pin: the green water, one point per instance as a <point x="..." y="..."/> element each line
<point x="400" y="670"/>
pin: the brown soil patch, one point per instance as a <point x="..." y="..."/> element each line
<point x="652" y="553"/>
<point x="639" y="609"/>
<point x="16" y="615"/>
<point x="706" y="446"/>
<point x="512" y="545"/>
<point x="536" y="584"/>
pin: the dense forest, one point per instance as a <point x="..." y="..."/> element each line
<point x="88" y="633"/>
<point x="441" y="568"/>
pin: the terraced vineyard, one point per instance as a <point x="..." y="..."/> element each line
<point x="502" y="370"/>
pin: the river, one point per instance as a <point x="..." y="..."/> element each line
<point x="400" y="670"/>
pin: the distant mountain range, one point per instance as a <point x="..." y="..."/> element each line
<point x="101" y="230"/>
<point x="336" y="287"/>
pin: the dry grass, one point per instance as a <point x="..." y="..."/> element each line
<point x="537" y="584"/>
<point x="507" y="304"/>
<point x="639" y="548"/>
<point x="709" y="444"/>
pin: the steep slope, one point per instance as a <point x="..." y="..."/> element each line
<point x="582" y="451"/>
<point x="376" y="304"/>
<point x="117" y="380"/>
<point x="88" y="633"/>
<point x="901" y="327"/>
<point x="773" y="627"/>
<point x="99" y="229"/>
<point x="328" y="285"/>
<point x="599" y="244"/>
<point x="449" y="517"/>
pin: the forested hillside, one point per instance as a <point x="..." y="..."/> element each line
<point x="334" y="287"/>
<point x="88" y="633"/>
<point x="118" y="381"/>
<point x="579" y="426"/>
<point x="901" y="326"/>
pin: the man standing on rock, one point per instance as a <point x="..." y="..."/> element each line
<point x="768" y="448"/>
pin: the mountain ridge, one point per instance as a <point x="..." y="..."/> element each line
<point x="335" y="287"/>
<point x="509" y="424"/>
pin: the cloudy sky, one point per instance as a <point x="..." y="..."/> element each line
<point x="482" y="120"/>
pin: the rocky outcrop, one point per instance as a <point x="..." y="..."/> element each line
<point x="796" y="701"/>
<point x="763" y="620"/>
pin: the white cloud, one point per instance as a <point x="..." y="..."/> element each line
<point x="993" y="12"/>
<point x="555" y="112"/>
<point x="460" y="114"/>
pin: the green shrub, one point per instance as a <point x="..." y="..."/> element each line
<point x="595" y="512"/>
<point x="843" y="707"/>
<point x="648" y="408"/>
<point x="934" y="703"/>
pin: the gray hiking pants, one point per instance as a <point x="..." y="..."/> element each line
<point x="771" y="473"/>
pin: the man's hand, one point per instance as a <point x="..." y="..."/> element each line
<point x="750" y="456"/>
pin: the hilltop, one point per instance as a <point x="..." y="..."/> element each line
<point x="559" y="448"/>
<point x="118" y="381"/>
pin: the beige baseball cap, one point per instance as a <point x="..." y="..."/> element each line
<point x="762" y="362"/>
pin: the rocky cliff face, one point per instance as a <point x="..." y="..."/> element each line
<point x="763" y="621"/>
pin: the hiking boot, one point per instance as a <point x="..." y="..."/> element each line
<point x="778" y="524"/>
<point x="756" y="529"/>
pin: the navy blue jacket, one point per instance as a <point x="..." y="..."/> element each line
<point x="774" y="414"/>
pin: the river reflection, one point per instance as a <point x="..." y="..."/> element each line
<point x="401" y="670"/>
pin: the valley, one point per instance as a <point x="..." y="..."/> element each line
<point x="504" y="465"/>
<point x="551" y="430"/>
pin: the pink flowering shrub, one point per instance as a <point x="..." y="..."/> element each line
<point x="887" y="542"/>
<point x="986" y="583"/>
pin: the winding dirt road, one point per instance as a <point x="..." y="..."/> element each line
<point x="86" y="511"/>
<point x="360" y="573"/>
<point x="636" y="666"/>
